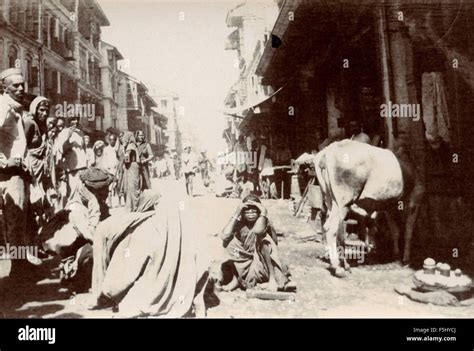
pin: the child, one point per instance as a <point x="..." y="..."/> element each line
<point x="251" y="244"/>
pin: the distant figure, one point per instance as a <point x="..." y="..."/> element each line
<point x="112" y="155"/>
<point x="176" y="166"/>
<point x="120" y="187"/>
<point x="131" y="172"/>
<point x="205" y="167"/>
<point x="145" y="155"/>
<point x="189" y="167"/>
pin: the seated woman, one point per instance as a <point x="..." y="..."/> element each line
<point x="251" y="244"/>
<point x="150" y="263"/>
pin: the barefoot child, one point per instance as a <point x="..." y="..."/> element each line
<point x="251" y="244"/>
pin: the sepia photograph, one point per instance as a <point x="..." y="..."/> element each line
<point x="236" y="159"/>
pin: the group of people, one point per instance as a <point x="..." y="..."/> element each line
<point x="54" y="186"/>
<point x="193" y="165"/>
<point x="48" y="163"/>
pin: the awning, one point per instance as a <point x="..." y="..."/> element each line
<point x="242" y="111"/>
<point x="279" y="29"/>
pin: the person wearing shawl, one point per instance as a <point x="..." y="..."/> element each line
<point x="151" y="263"/>
<point x="111" y="160"/>
<point x="99" y="160"/>
<point x="131" y="172"/>
<point x="38" y="159"/>
<point x="50" y="184"/>
<point x="120" y="175"/>
<point x="70" y="154"/>
<point x="251" y="244"/>
<point x="145" y="155"/>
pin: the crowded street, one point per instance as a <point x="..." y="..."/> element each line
<point x="369" y="292"/>
<point x="289" y="158"/>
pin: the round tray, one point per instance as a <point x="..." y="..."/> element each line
<point x="423" y="286"/>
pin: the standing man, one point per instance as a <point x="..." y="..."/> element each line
<point x="190" y="166"/>
<point x="205" y="166"/>
<point x="145" y="156"/>
<point x="70" y="149"/>
<point x="111" y="155"/>
<point x="13" y="172"/>
<point x="111" y="163"/>
<point x="176" y="166"/>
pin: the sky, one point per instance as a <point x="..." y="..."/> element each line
<point x="179" y="46"/>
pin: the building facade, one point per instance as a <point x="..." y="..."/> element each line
<point x="57" y="44"/>
<point x="137" y="110"/>
<point x="110" y="77"/>
<point x="340" y="65"/>
<point x="169" y="110"/>
<point x="252" y="23"/>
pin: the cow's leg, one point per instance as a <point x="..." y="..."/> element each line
<point x="332" y="229"/>
<point x="372" y="231"/>
<point x="394" y="234"/>
<point x="410" y="225"/>
<point x="341" y="242"/>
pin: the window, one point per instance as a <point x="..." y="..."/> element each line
<point x="13" y="15"/>
<point x="31" y="73"/>
<point x="12" y="56"/>
<point x="110" y="56"/>
<point x="83" y="65"/>
<point x="44" y="28"/>
<point x="164" y="103"/>
<point x="68" y="39"/>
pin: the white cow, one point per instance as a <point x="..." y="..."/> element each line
<point x="364" y="178"/>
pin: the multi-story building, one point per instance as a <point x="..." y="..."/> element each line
<point x="137" y="111"/>
<point x="56" y="43"/>
<point x="88" y="20"/>
<point x="158" y="135"/>
<point x="343" y="64"/>
<point x="37" y="37"/>
<point x="168" y="106"/>
<point x="110" y="86"/>
<point x="253" y="22"/>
